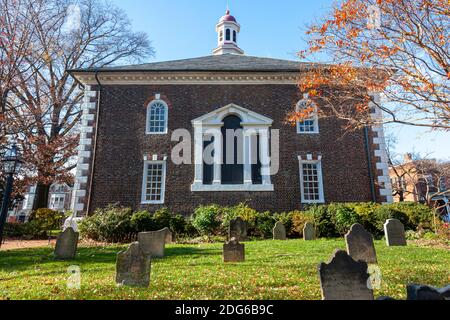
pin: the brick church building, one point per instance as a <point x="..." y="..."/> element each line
<point x="131" y="116"/>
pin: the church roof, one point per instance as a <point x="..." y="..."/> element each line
<point x="225" y="62"/>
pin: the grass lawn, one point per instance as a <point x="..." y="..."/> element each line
<point x="273" y="270"/>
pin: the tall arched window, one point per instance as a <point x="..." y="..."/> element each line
<point x="311" y="124"/>
<point x="232" y="171"/>
<point x="157" y="113"/>
<point x="234" y="35"/>
<point x="228" y="35"/>
<point x="221" y="36"/>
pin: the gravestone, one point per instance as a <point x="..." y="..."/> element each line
<point x="394" y="232"/>
<point x="169" y="236"/>
<point x="153" y="243"/>
<point x="233" y="251"/>
<point x="344" y="278"/>
<point x="238" y="229"/>
<point x="360" y="244"/>
<point x="66" y="245"/>
<point x="308" y="232"/>
<point x="420" y="292"/>
<point x="279" y="231"/>
<point x="133" y="267"/>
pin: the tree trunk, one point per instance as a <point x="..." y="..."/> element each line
<point x="41" y="196"/>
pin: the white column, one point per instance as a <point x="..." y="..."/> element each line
<point x="248" y="156"/>
<point x="264" y="155"/>
<point x="218" y="147"/>
<point x="198" y="154"/>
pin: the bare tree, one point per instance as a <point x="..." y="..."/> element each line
<point x="15" y="45"/>
<point x="68" y="35"/>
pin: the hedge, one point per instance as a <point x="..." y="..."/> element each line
<point x="118" y="224"/>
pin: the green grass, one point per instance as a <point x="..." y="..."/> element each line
<point x="273" y="270"/>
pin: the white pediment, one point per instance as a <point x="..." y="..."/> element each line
<point x="247" y="116"/>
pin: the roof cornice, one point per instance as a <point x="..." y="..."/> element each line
<point x="187" y="78"/>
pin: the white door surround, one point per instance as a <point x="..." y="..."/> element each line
<point x="211" y="125"/>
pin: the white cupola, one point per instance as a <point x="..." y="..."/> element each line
<point x="227" y="33"/>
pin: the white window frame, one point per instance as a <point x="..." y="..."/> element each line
<point x="314" y="117"/>
<point x="319" y="180"/>
<point x="144" y="182"/>
<point x="166" y="117"/>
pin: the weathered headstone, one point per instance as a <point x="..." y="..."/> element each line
<point x="421" y="292"/>
<point x="360" y="244"/>
<point x="344" y="278"/>
<point x="153" y="243"/>
<point x="238" y="229"/>
<point x="279" y="231"/>
<point x="233" y="251"/>
<point x="394" y="231"/>
<point x="308" y="232"/>
<point x="169" y="236"/>
<point x="66" y="245"/>
<point x="133" y="267"/>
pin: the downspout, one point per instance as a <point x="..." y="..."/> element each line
<point x="369" y="163"/>
<point x="94" y="150"/>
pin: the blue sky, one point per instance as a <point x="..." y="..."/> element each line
<point x="182" y="29"/>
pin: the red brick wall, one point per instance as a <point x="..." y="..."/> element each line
<point x="122" y="142"/>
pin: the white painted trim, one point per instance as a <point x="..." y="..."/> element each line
<point x="200" y="187"/>
<point x="144" y="182"/>
<point x="189" y="78"/>
<point x="314" y="117"/>
<point x="166" y="117"/>
<point x="320" y="180"/>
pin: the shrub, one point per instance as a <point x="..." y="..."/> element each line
<point x="143" y="221"/>
<point x="47" y="219"/>
<point x="178" y="224"/>
<point x="367" y="217"/>
<point x="14" y="230"/>
<point x="162" y="218"/>
<point x="206" y="219"/>
<point x="418" y="214"/>
<point x="111" y="224"/>
<point x="323" y="221"/>
<point x="343" y="217"/>
<point x="264" y="223"/>
<point x="286" y="219"/>
<point x="386" y="212"/>
<point x="241" y="210"/>
<point x="299" y="218"/>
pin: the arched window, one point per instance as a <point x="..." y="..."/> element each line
<point x="234" y="36"/>
<point x="310" y="124"/>
<point x="157" y="113"/>
<point x="232" y="171"/>
<point x="221" y="36"/>
<point x="228" y="35"/>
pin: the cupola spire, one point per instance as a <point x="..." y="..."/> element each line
<point x="227" y="33"/>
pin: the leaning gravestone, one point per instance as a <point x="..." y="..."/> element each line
<point x="169" y="236"/>
<point x="308" y="232"/>
<point x="360" y="244"/>
<point x="238" y="229"/>
<point x="153" y="243"/>
<point x="233" y="251"/>
<point x="394" y="232"/>
<point x="279" y="231"/>
<point x="66" y="245"/>
<point x="133" y="267"/>
<point x="344" y="278"/>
